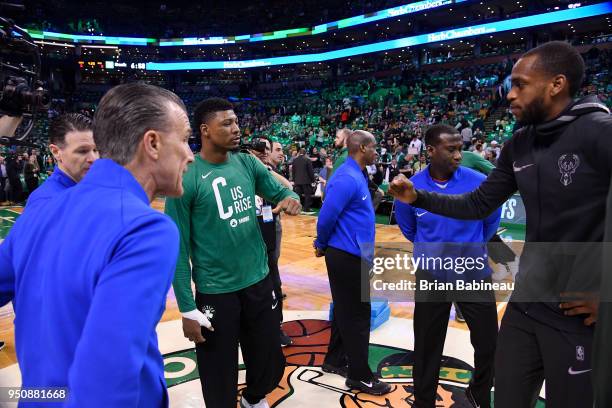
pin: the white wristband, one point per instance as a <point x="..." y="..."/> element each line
<point x="198" y="316"/>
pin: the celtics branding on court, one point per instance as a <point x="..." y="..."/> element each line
<point x="304" y="382"/>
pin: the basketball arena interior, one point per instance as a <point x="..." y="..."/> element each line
<point x="505" y="105"/>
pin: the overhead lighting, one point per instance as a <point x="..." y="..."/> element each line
<point x="111" y="47"/>
<point x="56" y="44"/>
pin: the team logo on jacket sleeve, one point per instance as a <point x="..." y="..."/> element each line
<point x="568" y="163"/>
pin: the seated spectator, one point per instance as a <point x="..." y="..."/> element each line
<point x="420" y="165"/>
<point x="478" y="149"/>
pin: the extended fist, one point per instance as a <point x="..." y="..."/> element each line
<point x="402" y="189"/>
<point x="289" y="206"/>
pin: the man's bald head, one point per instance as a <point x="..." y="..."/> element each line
<point x="359" y="138"/>
<point x="362" y="147"/>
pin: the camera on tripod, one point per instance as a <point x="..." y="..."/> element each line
<point x="22" y="93"/>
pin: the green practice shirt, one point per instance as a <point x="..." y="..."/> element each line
<point x="218" y="226"/>
<point x="339" y="161"/>
<point x="476" y="162"/>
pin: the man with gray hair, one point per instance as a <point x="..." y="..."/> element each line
<point x="96" y="261"/>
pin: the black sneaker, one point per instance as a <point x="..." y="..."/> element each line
<point x="458" y="315"/>
<point x="331" y="369"/>
<point x="372" y="387"/>
<point x="1" y="345"/>
<point x="285" y="340"/>
<point x="470" y="398"/>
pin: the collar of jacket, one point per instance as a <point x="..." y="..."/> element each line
<point x="107" y="173"/>
<point x="63" y="178"/>
<point x="574" y="110"/>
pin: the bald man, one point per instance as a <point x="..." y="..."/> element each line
<point x="345" y="225"/>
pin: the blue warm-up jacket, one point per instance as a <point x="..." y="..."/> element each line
<point x="346" y="220"/>
<point x="88" y="275"/>
<point x="427" y="229"/>
<point x="57" y="182"/>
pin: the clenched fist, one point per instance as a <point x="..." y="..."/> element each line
<point x="402" y="189"/>
<point x="289" y="206"/>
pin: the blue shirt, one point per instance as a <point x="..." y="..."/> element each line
<point x="323" y="175"/>
<point x="346" y="220"/>
<point x="57" y="182"/>
<point x="423" y="228"/>
<point x="88" y="275"/>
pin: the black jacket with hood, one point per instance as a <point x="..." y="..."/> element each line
<point x="562" y="169"/>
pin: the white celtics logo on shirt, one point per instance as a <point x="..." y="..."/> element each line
<point x="208" y="311"/>
<point x="239" y="205"/>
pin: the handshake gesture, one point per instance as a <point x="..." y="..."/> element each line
<point x="402" y="189"/>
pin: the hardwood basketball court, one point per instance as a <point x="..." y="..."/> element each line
<point x="308" y="297"/>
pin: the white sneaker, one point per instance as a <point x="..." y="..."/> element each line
<point x="501" y="273"/>
<point x="506" y="271"/>
<point x="261" y="404"/>
<point x="513" y="268"/>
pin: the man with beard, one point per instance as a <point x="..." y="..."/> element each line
<point x="340" y="143"/>
<point x="560" y="160"/>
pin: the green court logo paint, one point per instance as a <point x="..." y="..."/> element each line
<point x="7" y="219"/>
<point x="303" y="374"/>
